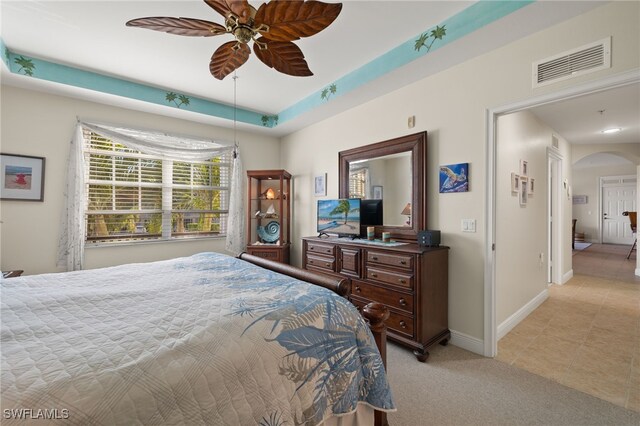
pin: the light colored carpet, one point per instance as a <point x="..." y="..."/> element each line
<point x="581" y="246"/>
<point x="457" y="387"/>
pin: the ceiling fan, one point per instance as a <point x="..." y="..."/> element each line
<point x="272" y="27"/>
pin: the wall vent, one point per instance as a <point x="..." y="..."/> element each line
<point x="583" y="60"/>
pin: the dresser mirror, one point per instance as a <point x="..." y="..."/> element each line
<point x="393" y="171"/>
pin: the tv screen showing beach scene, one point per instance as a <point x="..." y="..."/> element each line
<point x="339" y="216"/>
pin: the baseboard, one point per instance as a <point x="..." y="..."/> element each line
<point x="522" y="313"/>
<point x="464" y="341"/>
<point x="566" y="277"/>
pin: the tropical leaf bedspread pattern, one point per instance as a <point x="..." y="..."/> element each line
<point x="206" y="339"/>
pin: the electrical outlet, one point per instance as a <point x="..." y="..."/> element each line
<point x="411" y="122"/>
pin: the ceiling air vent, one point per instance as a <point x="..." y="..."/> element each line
<point x="589" y="58"/>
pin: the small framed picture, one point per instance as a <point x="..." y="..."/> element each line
<point x="376" y="192"/>
<point x="524" y="168"/>
<point x="524" y="191"/>
<point x="532" y="183"/>
<point x="454" y="178"/>
<point x="22" y="177"/>
<point x="515" y="183"/>
<point x="320" y="185"/>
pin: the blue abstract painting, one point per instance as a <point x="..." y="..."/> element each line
<point x="454" y="178"/>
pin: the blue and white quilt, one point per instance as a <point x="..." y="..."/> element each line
<point x="206" y="339"/>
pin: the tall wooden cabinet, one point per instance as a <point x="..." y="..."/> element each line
<point x="412" y="281"/>
<point x="269" y="214"/>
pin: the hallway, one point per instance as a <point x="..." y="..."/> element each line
<point x="586" y="335"/>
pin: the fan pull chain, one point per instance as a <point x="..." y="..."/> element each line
<point x="235" y="107"/>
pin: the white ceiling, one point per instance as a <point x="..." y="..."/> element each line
<point x="92" y="35"/>
<point x="582" y="119"/>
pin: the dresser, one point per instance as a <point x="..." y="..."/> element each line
<point x="412" y="281"/>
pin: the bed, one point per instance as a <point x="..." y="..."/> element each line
<point x="205" y="339"/>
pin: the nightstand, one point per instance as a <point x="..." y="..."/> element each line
<point x="12" y="274"/>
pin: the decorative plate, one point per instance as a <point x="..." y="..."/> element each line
<point x="270" y="233"/>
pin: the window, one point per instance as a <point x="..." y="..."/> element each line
<point x="133" y="196"/>
<point x="358" y="183"/>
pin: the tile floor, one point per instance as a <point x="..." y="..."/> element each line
<point x="586" y="335"/>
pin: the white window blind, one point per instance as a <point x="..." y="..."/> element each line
<point x="358" y="183"/>
<point x="133" y="196"/>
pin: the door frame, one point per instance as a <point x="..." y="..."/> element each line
<point x="491" y="117"/>
<point x="601" y="187"/>
<point x="554" y="209"/>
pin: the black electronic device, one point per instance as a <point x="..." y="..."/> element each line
<point x="429" y="238"/>
<point x="371" y="213"/>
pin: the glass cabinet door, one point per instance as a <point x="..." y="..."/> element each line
<point x="269" y="220"/>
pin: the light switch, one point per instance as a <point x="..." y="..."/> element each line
<point x="468" y="225"/>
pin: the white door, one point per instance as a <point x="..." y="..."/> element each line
<point x="615" y="200"/>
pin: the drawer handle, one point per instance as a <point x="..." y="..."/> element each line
<point x="374" y="257"/>
<point x="402" y="302"/>
<point x="327" y="264"/>
<point x="358" y="289"/>
<point x="310" y="262"/>
<point x="403" y="324"/>
<point x="311" y="248"/>
<point x="402" y="281"/>
<point x="403" y="262"/>
<point x="374" y="275"/>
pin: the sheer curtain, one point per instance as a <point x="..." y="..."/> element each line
<point x="170" y="147"/>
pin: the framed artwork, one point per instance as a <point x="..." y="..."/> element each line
<point x="376" y="192"/>
<point x="22" y="177"/>
<point x="524" y="168"/>
<point x="580" y="199"/>
<point x="524" y="191"/>
<point x="515" y="183"/>
<point x="320" y="185"/>
<point x="532" y="182"/>
<point x="454" y="178"/>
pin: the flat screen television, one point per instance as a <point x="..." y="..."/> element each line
<point x="371" y="213"/>
<point x="340" y="217"/>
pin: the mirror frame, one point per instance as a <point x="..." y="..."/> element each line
<point x="416" y="144"/>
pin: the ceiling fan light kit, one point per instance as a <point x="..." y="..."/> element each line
<point x="272" y="27"/>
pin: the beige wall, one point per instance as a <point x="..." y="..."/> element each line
<point x="630" y="151"/>
<point x="451" y="106"/>
<point x="42" y="125"/>
<point x="521" y="266"/>
<point x="397" y="190"/>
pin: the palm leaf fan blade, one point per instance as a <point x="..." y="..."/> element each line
<point x="291" y="20"/>
<point x="239" y="8"/>
<point x="283" y="56"/>
<point x="227" y="58"/>
<point x="179" y="26"/>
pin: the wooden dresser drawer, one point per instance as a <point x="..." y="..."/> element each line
<point x="402" y="324"/>
<point x="349" y="262"/>
<point x="389" y="277"/>
<point x="397" y="322"/>
<point x="321" y="262"/>
<point x="391" y="298"/>
<point x="317" y="248"/>
<point x="397" y="260"/>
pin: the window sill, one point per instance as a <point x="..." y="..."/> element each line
<point x="89" y="245"/>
